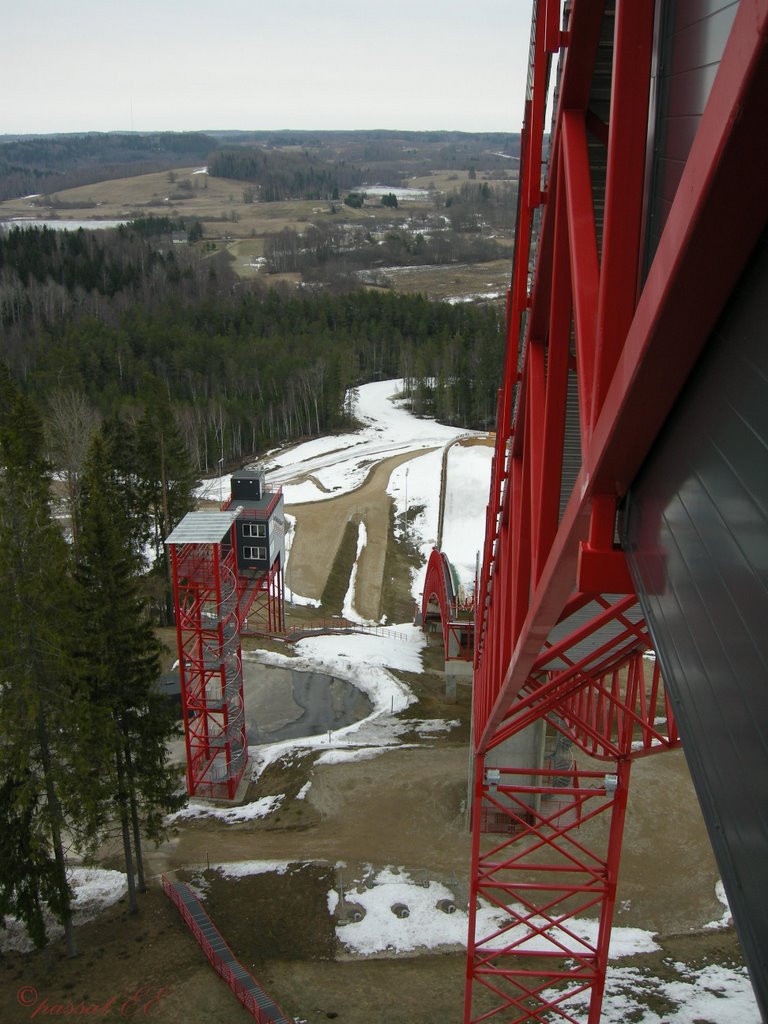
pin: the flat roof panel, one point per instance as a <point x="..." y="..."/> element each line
<point x="203" y="528"/>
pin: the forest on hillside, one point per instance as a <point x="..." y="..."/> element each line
<point x="49" y="163"/>
<point x="391" y="157"/>
<point x="111" y="315"/>
<point x="281" y="165"/>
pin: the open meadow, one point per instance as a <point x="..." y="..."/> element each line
<point x="233" y="222"/>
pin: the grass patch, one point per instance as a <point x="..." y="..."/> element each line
<point x="451" y="280"/>
<point x="397" y="603"/>
<point x="337" y="583"/>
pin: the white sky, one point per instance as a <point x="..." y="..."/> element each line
<point x="98" y="65"/>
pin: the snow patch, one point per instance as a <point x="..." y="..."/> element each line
<point x="246" y="868"/>
<point x="94" y="889"/>
<point x="230" y="815"/>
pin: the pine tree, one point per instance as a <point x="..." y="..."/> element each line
<point x="45" y="792"/>
<point x="119" y="657"/>
<point x="30" y="871"/>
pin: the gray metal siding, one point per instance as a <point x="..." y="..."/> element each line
<point x="696" y="534"/>
<point x="693" y="36"/>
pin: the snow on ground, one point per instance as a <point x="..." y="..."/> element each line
<point x="466" y="497"/>
<point x="364" y="660"/>
<point x="94" y="890"/>
<point x="245" y="868"/>
<point x="427" y="926"/>
<point x="712" y="994"/>
<point x="229" y="815"/>
<point x="63" y="225"/>
<point x="459" y="300"/>
<point x="727" y="919"/>
<point x="415" y="485"/>
<point x="328" y="466"/>
<point x="341" y="462"/>
<point x="401" y="192"/>
<point x="348" y="607"/>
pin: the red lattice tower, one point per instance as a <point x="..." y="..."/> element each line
<point x="210" y="659"/>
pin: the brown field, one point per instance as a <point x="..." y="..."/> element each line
<point x="453" y="281"/>
<point x="239" y="227"/>
<point x="218" y="202"/>
<point x="446" y="181"/>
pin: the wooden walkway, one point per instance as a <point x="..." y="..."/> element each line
<point x="220" y="956"/>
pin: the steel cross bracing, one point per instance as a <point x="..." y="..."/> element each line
<point x="210" y="667"/>
<point x="261" y="599"/>
<point x="597" y="354"/>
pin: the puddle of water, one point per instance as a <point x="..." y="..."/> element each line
<point x="283" y="704"/>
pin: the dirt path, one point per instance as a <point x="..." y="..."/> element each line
<point x="320" y="526"/>
<point x="403" y="807"/>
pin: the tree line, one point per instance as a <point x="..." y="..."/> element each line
<point x="113" y="316"/>
<point x="83" y="731"/>
<point x="391" y="156"/>
<point x="280" y="174"/>
<point x="326" y="251"/>
<point x="50" y="163"/>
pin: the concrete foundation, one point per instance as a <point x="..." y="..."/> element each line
<point x="456" y="669"/>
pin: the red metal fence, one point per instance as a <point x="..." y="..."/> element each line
<point x="220" y="956"/>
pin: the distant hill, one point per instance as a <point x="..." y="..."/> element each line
<point x="287" y="164"/>
<point x="48" y="163"/>
<point x="281" y="164"/>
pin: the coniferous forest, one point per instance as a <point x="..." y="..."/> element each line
<point x="130" y="366"/>
<point x="110" y="315"/>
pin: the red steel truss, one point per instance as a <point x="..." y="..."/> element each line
<point x="439" y="600"/>
<point x="210" y="667"/>
<point x="596" y="357"/>
<point x="261" y="600"/>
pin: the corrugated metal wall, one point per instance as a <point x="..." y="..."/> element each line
<point x="696" y="534"/>
<point x="691" y="37"/>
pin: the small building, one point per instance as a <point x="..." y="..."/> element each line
<point x="260" y="525"/>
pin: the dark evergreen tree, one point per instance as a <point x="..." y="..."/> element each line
<point x="121" y="440"/>
<point x="119" y="659"/>
<point x="43" y="757"/>
<point x="30" y="873"/>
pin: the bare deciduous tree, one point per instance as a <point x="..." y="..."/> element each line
<point x="69" y="429"/>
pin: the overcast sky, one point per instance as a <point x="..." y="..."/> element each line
<point x="100" y="65"/>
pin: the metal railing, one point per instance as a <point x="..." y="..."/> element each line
<point x="220" y="956"/>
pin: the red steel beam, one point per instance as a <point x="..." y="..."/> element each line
<point x="684" y="293"/>
<point x="622" y="222"/>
